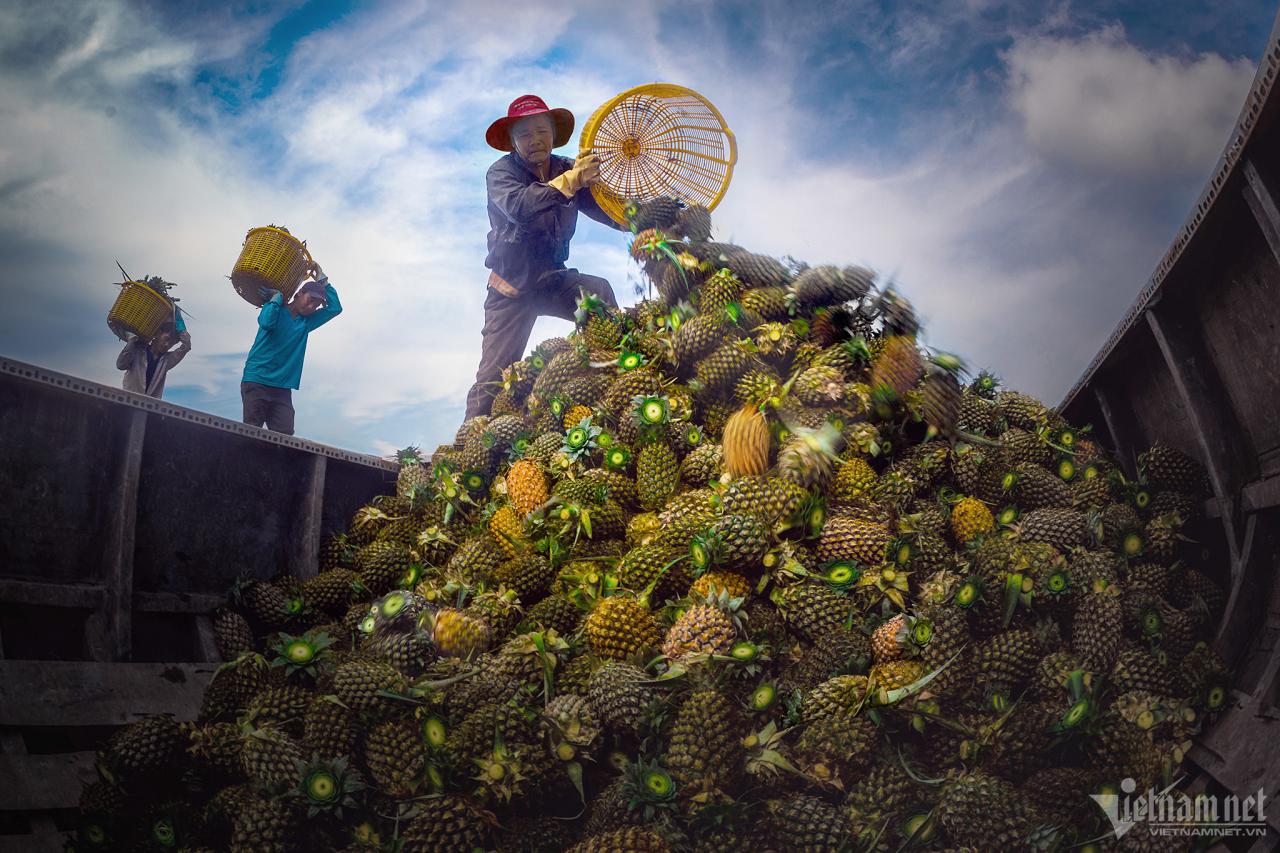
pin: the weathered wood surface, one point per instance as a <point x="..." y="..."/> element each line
<point x="73" y="693"/>
<point x="40" y="782"/>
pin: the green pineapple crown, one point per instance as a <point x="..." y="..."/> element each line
<point x="985" y="385"/>
<point x="589" y="305"/>
<point x="410" y="455"/>
<point x="326" y="786"/>
<point x="649" y="788"/>
<point x="581" y="439"/>
<point x="305" y="656"/>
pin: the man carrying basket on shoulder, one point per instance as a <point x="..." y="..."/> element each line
<point x="147" y="363"/>
<point x="534" y="201"/>
<point x="273" y="370"/>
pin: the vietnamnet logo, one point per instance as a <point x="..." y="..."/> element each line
<point x="1172" y="813"/>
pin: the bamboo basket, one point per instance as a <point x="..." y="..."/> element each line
<point x="139" y="310"/>
<point x="271" y="257"/>
<point x="655" y="140"/>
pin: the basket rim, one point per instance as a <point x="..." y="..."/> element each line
<point x="658" y="90"/>
<point x="147" y="288"/>
<point x="275" y="229"/>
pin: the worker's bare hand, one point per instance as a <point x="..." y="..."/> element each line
<point x="316" y="272"/>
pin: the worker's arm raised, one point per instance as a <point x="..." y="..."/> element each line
<point x="270" y="308"/>
<point x="332" y="308"/>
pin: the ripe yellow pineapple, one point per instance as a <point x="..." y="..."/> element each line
<point x="712" y="583"/>
<point x="526" y="486"/>
<point x="970" y="518"/>
<point x="506" y="526"/>
<point x="574" y="415"/>
<point x="746" y="443"/>
<point x="621" y="626"/>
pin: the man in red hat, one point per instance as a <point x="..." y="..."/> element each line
<point x="534" y="200"/>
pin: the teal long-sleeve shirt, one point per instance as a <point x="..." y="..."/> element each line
<point x="276" y="356"/>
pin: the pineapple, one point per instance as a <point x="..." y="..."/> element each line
<point x="704" y="629"/>
<point x="970" y="518"/>
<point x="821" y="286"/>
<point x="231" y="634"/>
<point x="412" y="480"/>
<point x="459" y="634"/>
<point x="445" y="824"/>
<point x="620" y="627"/>
<point x="526" y="486"/>
<point x="812" y="609"/>
<point x="657" y="474"/>
<point x="620" y="696"/>
<point x="981" y="811"/>
<point x="746" y="443"/>
<point x="714" y="582"/>
<point x="805" y="822"/>
<point x="704" y="750"/>
<point x="357" y="683"/>
<point x="849" y="537"/>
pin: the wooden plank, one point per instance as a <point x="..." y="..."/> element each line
<point x="110" y="634"/>
<point x="88" y="693"/>
<point x="1264" y="206"/>
<point x="41" y="843"/>
<point x="176" y="602"/>
<point x="305" y="552"/>
<point x="40" y="782"/>
<point x="1261" y="494"/>
<point x="45" y="594"/>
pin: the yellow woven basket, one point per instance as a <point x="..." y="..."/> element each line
<point x="271" y="257"/>
<point x="659" y="139"/>
<point x="138" y="310"/>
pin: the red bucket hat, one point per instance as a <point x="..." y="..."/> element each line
<point x="499" y="133"/>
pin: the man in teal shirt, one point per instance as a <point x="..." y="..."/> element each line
<point x="273" y="369"/>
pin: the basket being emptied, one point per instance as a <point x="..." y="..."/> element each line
<point x="656" y="140"/>
<point x="271" y="257"/>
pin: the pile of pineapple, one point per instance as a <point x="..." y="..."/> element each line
<point x="743" y="567"/>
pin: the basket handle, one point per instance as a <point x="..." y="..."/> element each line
<point x="311" y="263"/>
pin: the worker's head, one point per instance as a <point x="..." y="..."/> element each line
<point x="533" y="138"/>
<point x="308" y="300"/>
<point x="164" y="337"/>
<point x="531" y="129"/>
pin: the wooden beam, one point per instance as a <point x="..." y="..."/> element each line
<point x="42" y="782"/>
<point x="1264" y="206"/>
<point x="304" y="553"/>
<point x="76" y="693"/>
<point x="1223" y="443"/>
<point x="1120" y="426"/>
<point x="110" y="633"/>
<point x="45" y="594"/>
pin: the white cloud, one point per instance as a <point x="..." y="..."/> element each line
<point x="1101" y="105"/>
<point x="1014" y="263"/>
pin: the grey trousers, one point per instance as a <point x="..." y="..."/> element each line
<point x="264" y="404"/>
<point x="508" y="322"/>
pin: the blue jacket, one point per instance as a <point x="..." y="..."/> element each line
<point x="530" y="222"/>
<point x="275" y="358"/>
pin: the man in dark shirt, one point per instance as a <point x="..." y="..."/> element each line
<point x="534" y="200"/>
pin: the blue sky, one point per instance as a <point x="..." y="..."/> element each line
<point x="1018" y="168"/>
